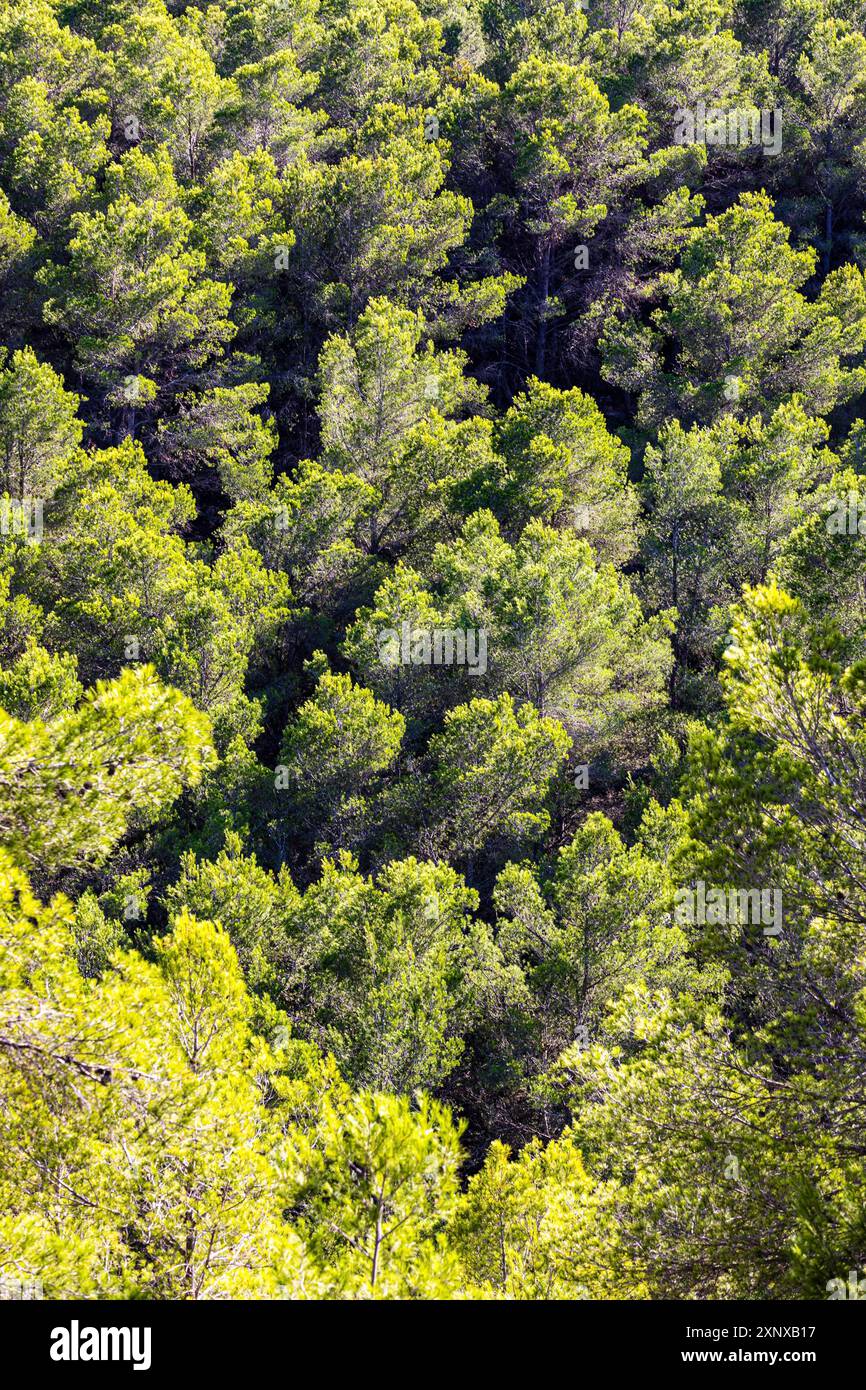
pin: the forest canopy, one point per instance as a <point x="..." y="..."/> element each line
<point x="432" y="648"/>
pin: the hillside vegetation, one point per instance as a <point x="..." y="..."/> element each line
<point x="432" y="648"/>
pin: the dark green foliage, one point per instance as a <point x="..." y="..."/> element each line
<point x="432" y="648"/>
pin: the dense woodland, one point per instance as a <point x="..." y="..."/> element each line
<point x="332" y="971"/>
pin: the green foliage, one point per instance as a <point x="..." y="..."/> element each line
<point x="562" y="466"/>
<point x="133" y="296"/>
<point x="493" y="766"/>
<point x="340" y="739"/>
<point x="383" y="397"/>
<point x="38" y="426"/>
<point x="378" y="1187"/>
<point x="432" y="525"/>
<point x="72" y="786"/>
<point x="538" y="1227"/>
<point x="740" y="333"/>
<point x="600" y="925"/>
